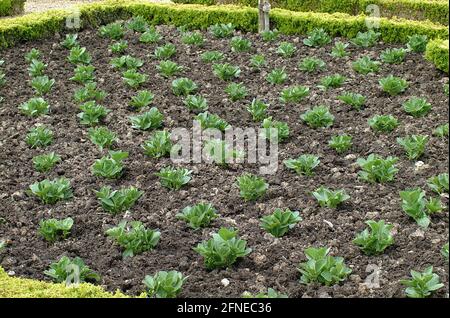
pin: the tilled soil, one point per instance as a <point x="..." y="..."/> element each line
<point x="273" y="262"/>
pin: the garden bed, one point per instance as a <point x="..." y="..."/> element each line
<point x="272" y="262"/>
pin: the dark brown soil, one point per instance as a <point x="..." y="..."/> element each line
<point x="273" y="262"/>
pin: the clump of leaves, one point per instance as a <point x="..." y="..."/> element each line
<point x="150" y="36"/>
<point x="375" y="239"/>
<point x="158" y="145"/>
<point x="116" y="201"/>
<point x="286" y="49"/>
<point x="39" y="136"/>
<point x="53" y="229"/>
<point x="133" y="78"/>
<point x="79" y="55"/>
<point x="83" y="74"/>
<point x="414" y="145"/>
<point x="127" y="62"/>
<point x="111" y="166"/>
<point x="33" y="54"/>
<point x="164" y="284"/>
<point x="294" y="94"/>
<point x="270" y="35"/>
<point x="149" y="120"/>
<point x="46" y="162"/>
<point x="221" y="31"/>
<point x="193" y="38"/>
<point x="138" y="24"/>
<point x="212" y="56"/>
<point x="422" y="285"/>
<point x="196" y="103"/>
<point x="35" y="107"/>
<point x="439" y="183"/>
<point x="252" y="187"/>
<point x="393" y="56"/>
<point x="42" y="84"/>
<point x="270" y="127"/>
<point x="317" y="38"/>
<point x="183" y="86"/>
<point x="223" y="249"/>
<point x="303" y="165"/>
<point x="165" y="52"/>
<point x="173" y="178"/>
<point x="257" y="62"/>
<point x="199" y="215"/>
<point x="332" y="81"/>
<point x="417" y="43"/>
<point x="377" y="169"/>
<point x="208" y="120"/>
<point x="102" y="137"/>
<point x="277" y="76"/>
<point x="71" y="271"/>
<point x="134" y="238"/>
<point x="271" y="293"/>
<point x="383" y="123"/>
<point x="341" y="143"/>
<point x="36" y="68"/>
<point x="92" y="113"/>
<point x="311" y="64"/>
<point x="339" y="50"/>
<point x="329" y="198"/>
<point x="366" y="39"/>
<point x="142" y="99"/>
<point x="226" y="72"/>
<point x="236" y="91"/>
<point x="220" y="152"/>
<point x="441" y="131"/>
<point x="323" y="268"/>
<point x="89" y="92"/>
<point x="366" y="65"/>
<point x="446" y="89"/>
<point x="70" y="41"/>
<point x="169" y="68"/>
<point x="240" y="44"/>
<point x="444" y="251"/>
<point x="258" y="109"/>
<point x="113" y="31"/>
<point x="355" y="100"/>
<point x="119" y="47"/>
<point x="418" y="207"/>
<point x="52" y="191"/>
<point x="317" y="117"/>
<point x="280" y="222"/>
<point x="417" y="106"/>
<point x="393" y="85"/>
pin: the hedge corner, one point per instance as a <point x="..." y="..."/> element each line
<point x="437" y="52"/>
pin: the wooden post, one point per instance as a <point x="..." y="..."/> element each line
<point x="266" y="10"/>
<point x="261" y="24"/>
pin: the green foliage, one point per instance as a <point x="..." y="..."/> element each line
<point x="280" y="222"/>
<point x="317" y="38"/>
<point x="317" y="117"/>
<point x="134" y="238"/>
<point x="441" y="131"/>
<point x="270" y="35"/>
<point x="212" y="56"/>
<point x="142" y="99"/>
<point x="251" y="187"/>
<point x="414" y="204"/>
<point x="236" y="91"/>
<point x="332" y="81"/>
<point x="33" y="54"/>
<point x="199" y="215"/>
<point x="53" y="229"/>
<point x="393" y="85"/>
<point x="393" y="56"/>
<point x="383" y="123"/>
<point x="114" y="31"/>
<point x="84" y="74"/>
<point x="158" y="145"/>
<point x="71" y="271"/>
<point x="111" y="166"/>
<point x="417" y="43"/>
<point x="223" y="249"/>
<point x="70" y="41"/>
<point x="311" y="64"/>
<point x="286" y="49"/>
<point x="377" y="169"/>
<point x="439" y="183"/>
<point x="116" y="201"/>
<point x="42" y="84"/>
<point x="271" y="293"/>
<point x="119" y="47"/>
<point x="220" y="152"/>
<point x="294" y="94"/>
<point x="39" y="136"/>
<point x="414" y="145"/>
<point x="258" y="110"/>
<point x="173" y="178"/>
<point x="169" y="68"/>
<point x="133" y="78"/>
<point x="149" y="120"/>
<point x="138" y="24"/>
<point x="446" y="89"/>
<point x="102" y="137"/>
<point x="166" y="51"/>
<point x="126" y="62"/>
<point x="341" y="143"/>
<point x="330" y="199"/>
<point x="240" y="44"/>
<point x="303" y="165"/>
<point x="366" y="39"/>
<point x="52" y="191"/>
<point x="339" y="50"/>
<point x="366" y="65"/>
<point x="34" y="107"/>
<point x="437" y="53"/>
<point x="355" y="100"/>
<point x="183" y="86"/>
<point x="79" y="55"/>
<point x="196" y="103"/>
<point x="416" y="106"/>
<point x="89" y="92"/>
<point x="36" y="68"/>
<point x="150" y="36"/>
<point x="221" y="31"/>
<point x="271" y="126"/>
<point x="444" y="251"/>
<point x="277" y="76"/>
<point x="226" y="72"/>
<point x="164" y="284"/>
<point x="375" y="239"/>
<point x="422" y="285"/>
<point x="208" y="120"/>
<point x="257" y="62"/>
<point x="193" y="38"/>
<point x="92" y="113"/>
<point x="46" y="162"/>
<point x="323" y="268"/>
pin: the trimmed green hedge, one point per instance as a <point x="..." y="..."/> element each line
<point x="11" y="7"/>
<point x="437" y="52"/>
<point x="434" y="10"/>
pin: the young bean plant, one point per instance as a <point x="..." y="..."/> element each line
<point x="92" y="113"/>
<point x="116" y="201"/>
<point x="52" y="191"/>
<point x="311" y="65"/>
<point x="164" y="284"/>
<point x="383" y="123"/>
<point x="414" y="145"/>
<point x="34" y="107"/>
<point x="357" y="101"/>
<point x="280" y="222"/>
<point x="294" y="94"/>
<point x="377" y="169"/>
<point x="63" y="271"/>
<point x="173" y="178"/>
<point x="330" y="199"/>
<point x="251" y="187"/>
<point x="142" y="99"/>
<point x="439" y="183"/>
<point x="317" y="38"/>
<point x="52" y="229"/>
<point x="366" y="65"/>
<point x="318" y="117"/>
<point x="46" y="162"/>
<point x="258" y="109"/>
<point x="102" y="137"/>
<point x="110" y="167"/>
<point x="422" y="285"/>
<point x="39" y="136"/>
<point x="376" y="238"/>
<point x="393" y="85"/>
<point x="303" y="165"/>
<point x="417" y="107"/>
<point x="199" y="215"/>
<point x="341" y="143"/>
